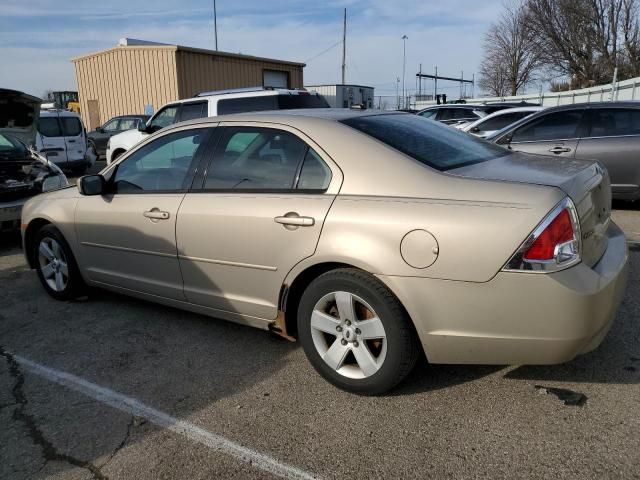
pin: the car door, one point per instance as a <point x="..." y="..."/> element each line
<point x="127" y="236"/>
<point x="556" y="133"/>
<point x="74" y="138"/>
<point x="614" y="140"/>
<point x="258" y="213"/>
<point x="100" y="138"/>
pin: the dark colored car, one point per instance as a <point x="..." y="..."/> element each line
<point x="605" y="131"/>
<point x="450" y="114"/>
<point x="99" y="137"/>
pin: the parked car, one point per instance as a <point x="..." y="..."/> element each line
<point x="23" y="174"/>
<point x="62" y="139"/>
<point x="497" y="121"/>
<point x="210" y="104"/>
<point x="606" y="131"/>
<point x="369" y="236"/>
<point x="98" y="138"/>
<point x="461" y="113"/>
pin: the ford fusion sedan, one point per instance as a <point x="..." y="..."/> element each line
<point x="370" y="237"/>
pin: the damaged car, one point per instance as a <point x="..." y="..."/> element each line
<point x="23" y="172"/>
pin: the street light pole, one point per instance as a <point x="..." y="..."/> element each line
<point x="215" y="24"/>
<point x="404" y="67"/>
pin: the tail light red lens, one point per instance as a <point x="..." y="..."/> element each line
<point x="559" y="231"/>
<point x="555" y="244"/>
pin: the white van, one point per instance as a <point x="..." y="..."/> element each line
<point x="63" y="140"/>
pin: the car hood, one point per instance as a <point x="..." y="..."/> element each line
<point x="128" y="138"/>
<point x="19" y="115"/>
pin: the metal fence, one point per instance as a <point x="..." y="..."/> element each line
<point x="623" y="90"/>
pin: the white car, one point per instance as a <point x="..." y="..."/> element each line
<point x="62" y="138"/>
<point x="211" y="104"/>
<point x="497" y="121"/>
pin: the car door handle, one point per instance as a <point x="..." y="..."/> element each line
<point x="156" y="214"/>
<point x="559" y="149"/>
<point x="295" y="220"/>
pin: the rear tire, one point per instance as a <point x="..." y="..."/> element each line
<point x="56" y="266"/>
<point x="355" y="332"/>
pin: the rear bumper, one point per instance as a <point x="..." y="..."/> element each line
<point x="518" y="318"/>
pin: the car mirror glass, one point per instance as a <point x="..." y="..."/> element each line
<point x="91" y="185"/>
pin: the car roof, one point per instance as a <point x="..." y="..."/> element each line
<point x="504" y="111"/>
<point x="577" y="106"/>
<point x="58" y="113"/>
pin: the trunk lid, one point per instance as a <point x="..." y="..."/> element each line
<point x="585" y="182"/>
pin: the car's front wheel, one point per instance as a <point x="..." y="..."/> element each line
<point x="356" y="333"/>
<point x="56" y="266"/>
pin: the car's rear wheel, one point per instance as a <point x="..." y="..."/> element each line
<point x="355" y="332"/>
<point x="56" y="266"/>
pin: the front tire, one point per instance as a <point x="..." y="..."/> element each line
<point x="355" y="332"/>
<point x="56" y="266"/>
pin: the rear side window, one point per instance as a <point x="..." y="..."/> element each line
<point x="607" y="122"/>
<point x="190" y="111"/>
<point x="247" y="104"/>
<point x="71" y="126"/>
<point x="49" y="127"/>
<point x="553" y="126"/>
<point x="315" y="174"/>
<point x="249" y="158"/>
<point x="429" y="113"/>
<point x="430" y="143"/>
<point x="302" y="100"/>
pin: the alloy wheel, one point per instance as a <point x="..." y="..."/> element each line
<point x="348" y="335"/>
<point x="53" y="264"/>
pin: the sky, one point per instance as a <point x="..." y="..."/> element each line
<point x="39" y="37"/>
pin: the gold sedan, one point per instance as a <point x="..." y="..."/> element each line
<point x="368" y="236"/>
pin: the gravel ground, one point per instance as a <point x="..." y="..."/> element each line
<point x="242" y="385"/>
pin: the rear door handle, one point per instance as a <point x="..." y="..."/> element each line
<point x="295" y="220"/>
<point x="559" y="149"/>
<point x="156" y="214"/>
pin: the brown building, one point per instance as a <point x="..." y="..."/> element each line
<point x="137" y="76"/>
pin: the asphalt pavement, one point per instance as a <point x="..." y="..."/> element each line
<point x="113" y="387"/>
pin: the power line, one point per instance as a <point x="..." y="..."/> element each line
<point x="324" y="51"/>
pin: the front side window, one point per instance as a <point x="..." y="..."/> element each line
<point x="611" y="122"/>
<point x="249" y="158"/>
<point x="71" y="126"/>
<point x="165" y="164"/>
<point x="433" y="144"/>
<point x="165" y="117"/>
<point x="49" y="127"/>
<point x="111" y="125"/>
<point x="553" y="126"/>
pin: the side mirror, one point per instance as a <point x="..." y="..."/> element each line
<point x="474" y="130"/>
<point x="92" y="185"/>
<point x="506" y="140"/>
<point x="99" y="129"/>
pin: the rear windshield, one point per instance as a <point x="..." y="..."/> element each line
<point x="270" y="102"/>
<point x="49" y="127"/>
<point x="429" y="142"/>
<point x="11" y="147"/>
<point x="71" y="126"/>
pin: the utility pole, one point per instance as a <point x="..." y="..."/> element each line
<point x="404" y="66"/>
<point x="461" y="84"/>
<point x="344" y="47"/>
<point x="613" y="84"/>
<point x="397" y="93"/>
<point x="420" y="84"/>
<point x="215" y="24"/>
<point x="435" y="85"/>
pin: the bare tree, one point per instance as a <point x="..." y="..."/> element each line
<point x="510" y="58"/>
<point x="586" y="39"/>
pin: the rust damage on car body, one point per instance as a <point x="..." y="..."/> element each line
<point x="279" y="325"/>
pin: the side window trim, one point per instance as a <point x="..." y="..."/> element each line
<point x="198" y="157"/>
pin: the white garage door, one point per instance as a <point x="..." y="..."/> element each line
<point x="275" y="79"/>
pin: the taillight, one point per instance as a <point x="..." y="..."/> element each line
<point x="553" y="245"/>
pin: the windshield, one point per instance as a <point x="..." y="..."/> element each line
<point x="12" y="148"/>
<point x="429" y="142"/>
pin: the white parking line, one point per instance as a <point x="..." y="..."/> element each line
<point x="132" y="406"/>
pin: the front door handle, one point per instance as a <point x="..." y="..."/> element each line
<point x="156" y="214"/>
<point x="292" y="219"/>
<point x="559" y="149"/>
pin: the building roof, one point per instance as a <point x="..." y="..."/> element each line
<point x="133" y="44"/>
